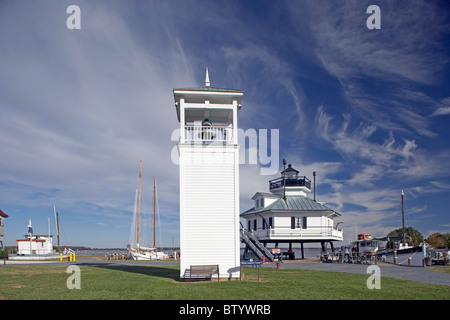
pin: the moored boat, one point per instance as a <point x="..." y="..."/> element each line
<point x="142" y="252"/>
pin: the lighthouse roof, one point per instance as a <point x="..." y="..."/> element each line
<point x="292" y="203"/>
<point x="209" y="89"/>
<point x="214" y="95"/>
<point x="289" y="169"/>
<point x="217" y="96"/>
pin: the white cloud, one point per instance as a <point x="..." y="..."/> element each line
<point x="441" y="111"/>
<point x="269" y="72"/>
<point x="404" y="54"/>
<point x="81" y="119"/>
<point x="397" y="52"/>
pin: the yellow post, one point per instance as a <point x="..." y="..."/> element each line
<point x="74" y="257"/>
<point x="60" y="257"/>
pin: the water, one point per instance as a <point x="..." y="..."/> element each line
<point x="100" y="252"/>
<point x="402" y="259"/>
<point x="103" y="252"/>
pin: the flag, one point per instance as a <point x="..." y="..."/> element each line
<point x="30" y="228"/>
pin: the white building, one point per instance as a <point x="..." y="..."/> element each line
<point x="34" y="243"/>
<point x="40" y="244"/>
<point x="209" y="178"/>
<point x="287" y="215"/>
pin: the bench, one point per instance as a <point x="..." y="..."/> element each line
<point x="204" y="271"/>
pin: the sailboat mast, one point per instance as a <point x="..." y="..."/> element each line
<point x="139" y="205"/>
<point x="403" y="220"/>
<point x="57" y="229"/>
<point x="154" y="212"/>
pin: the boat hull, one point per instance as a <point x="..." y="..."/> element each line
<point x="146" y="255"/>
<point x="34" y="257"/>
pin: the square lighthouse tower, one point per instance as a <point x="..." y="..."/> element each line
<point x="209" y="178"/>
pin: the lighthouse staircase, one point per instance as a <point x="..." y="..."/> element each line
<point x="252" y="242"/>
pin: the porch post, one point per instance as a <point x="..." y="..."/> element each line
<point x="303" y="254"/>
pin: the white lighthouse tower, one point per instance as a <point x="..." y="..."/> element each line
<point x="209" y="178"/>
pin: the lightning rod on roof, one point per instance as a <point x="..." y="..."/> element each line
<point x="207" y="83"/>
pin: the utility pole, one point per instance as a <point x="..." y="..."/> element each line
<point x="314" y="175"/>
<point x="154" y="212"/>
<point x="284" y="179"/>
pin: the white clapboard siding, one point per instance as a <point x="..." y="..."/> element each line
<point x="209" y="215"/>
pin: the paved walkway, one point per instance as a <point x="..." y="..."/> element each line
<point x="419" y="274"/>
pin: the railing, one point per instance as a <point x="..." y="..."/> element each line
<point x="208" y="134"/>
<point x="310" y="232"/>
<point x="301" y="181"/>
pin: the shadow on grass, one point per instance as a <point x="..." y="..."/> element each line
<point x="169" y="272"/>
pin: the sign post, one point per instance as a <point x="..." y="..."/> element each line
<point x="2" y="233"/>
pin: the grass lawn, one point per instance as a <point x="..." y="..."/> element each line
<point x="161" y="282"/>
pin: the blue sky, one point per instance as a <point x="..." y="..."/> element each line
<point x="368" y="110"/>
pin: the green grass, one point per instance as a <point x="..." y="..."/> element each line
<point x="161" y="282"/>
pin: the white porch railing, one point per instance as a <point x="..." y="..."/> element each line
<point x="210" y="134"/>
<point x="312" y="232"/>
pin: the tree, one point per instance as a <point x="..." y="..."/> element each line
<point x="412" y="236"/>
<point x="439" y="240"/>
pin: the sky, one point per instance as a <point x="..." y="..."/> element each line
<point x="367" y="109"/>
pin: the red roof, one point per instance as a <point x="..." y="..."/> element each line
<point x="4" y="215"/>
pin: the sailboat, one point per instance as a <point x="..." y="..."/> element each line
<point x="401" y="243"/>
<point x="141" y="252"/>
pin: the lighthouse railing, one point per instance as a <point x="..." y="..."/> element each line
<point x="299" y="233"/>
<point x="300" y="181"/>
<point x="210" y="134"/>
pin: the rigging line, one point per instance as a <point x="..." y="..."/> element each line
<point x="63" y="234"/>
<point x="133" y="232"/>
<point x="133" y="221"/>
<point x="408" y="258"/>
<point x="146" y="219"/>
<point x="143" y="226"/>
<point x="158" y="218"/>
